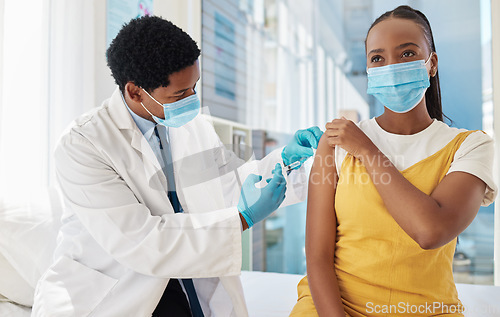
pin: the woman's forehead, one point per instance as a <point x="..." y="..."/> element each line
<point x="392" y="32"/>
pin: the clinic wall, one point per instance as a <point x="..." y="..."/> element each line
<point x="224" y="56"/>
<point x="457" y="34"/>
<point x="381" y="6"/>
<point x="185" y="14"/>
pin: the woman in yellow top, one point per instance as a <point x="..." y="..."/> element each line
<point x="398" y="188"/>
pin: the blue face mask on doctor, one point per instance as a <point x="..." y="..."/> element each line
<point x="399" y="87"/>
<point x="177" y="113"/>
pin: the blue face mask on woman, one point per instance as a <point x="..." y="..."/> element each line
<point x="177" y="113"/>
<point x="399" y="87"/>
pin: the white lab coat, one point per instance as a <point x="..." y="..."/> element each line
<point x="121" y="241"/>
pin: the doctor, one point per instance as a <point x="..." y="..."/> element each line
<point x="154" y="206"/>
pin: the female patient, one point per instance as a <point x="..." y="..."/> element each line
<point x="389" y="196"/>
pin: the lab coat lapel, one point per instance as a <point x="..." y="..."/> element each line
<point x="152" y="167"/>
<point x="123" y="120"/>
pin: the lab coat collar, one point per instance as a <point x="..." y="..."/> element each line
<point x="119" y="113"/>
<point x="143" y="124"/>
<point x="123" y="120"/>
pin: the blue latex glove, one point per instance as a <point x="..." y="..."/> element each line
<point x="300" y="147"/>
<point x="255" y="203"/>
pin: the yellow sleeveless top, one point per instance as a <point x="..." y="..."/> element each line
<point x="381" y="271"/>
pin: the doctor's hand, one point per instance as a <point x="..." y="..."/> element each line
<point x="255" y="204"/>
<point x="300" y="147"/>
<point x="346" y="134"/>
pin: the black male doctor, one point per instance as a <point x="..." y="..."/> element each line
<point x="154" y="203"/>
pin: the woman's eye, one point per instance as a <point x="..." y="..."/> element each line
<point x="376" y="59"/>
<point x="408" y="54"/>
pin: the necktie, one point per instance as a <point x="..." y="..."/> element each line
<point x="161" y="133"/>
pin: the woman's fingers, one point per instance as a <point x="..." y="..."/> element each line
<point x="337" y="123"/>
<point x="331" y="132"/>
<point x="338" y="130"/>
<point x="333" y="141"/>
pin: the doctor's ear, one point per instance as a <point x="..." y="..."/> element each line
<point x="133" y="91"/>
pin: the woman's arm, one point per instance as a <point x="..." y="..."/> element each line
<point x="431" y="220"/>
<point x="321" y="227"/>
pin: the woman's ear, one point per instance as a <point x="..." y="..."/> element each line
<point x="434" y="65"/>
<point x="133" y="92"/>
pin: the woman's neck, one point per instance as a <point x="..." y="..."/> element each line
<point x="408" y="123"/>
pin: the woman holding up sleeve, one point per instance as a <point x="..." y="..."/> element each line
<point x="389" y="196"/>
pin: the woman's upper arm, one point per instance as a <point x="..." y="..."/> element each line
<point x="467" y="184"/>
<point x="475" y="156"/>
<point x="321" y="218"/>
<point x="459" y="196"/>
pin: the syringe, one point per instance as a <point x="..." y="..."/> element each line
<point x="289" y="168"/>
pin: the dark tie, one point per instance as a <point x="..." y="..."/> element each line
<point x="160" y="132"/>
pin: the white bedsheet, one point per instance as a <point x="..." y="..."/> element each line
<point x="275" y="294"/>
<point x="8" y="309"/>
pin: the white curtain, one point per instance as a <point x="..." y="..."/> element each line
<point x="71" y="67"/>
<point x="1" y="64"/>
<point x="23" y="126"/>
<point x="47" y="78"/>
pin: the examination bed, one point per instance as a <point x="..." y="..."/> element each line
<point x="27" y="239"/>
<point x="274" y="294"/>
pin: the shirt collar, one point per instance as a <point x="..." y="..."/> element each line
<point x="144" y="125"/>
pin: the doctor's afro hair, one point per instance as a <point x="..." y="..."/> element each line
<point x="147" y="50"/>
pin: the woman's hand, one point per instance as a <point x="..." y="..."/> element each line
<point x="347" y="135"/>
